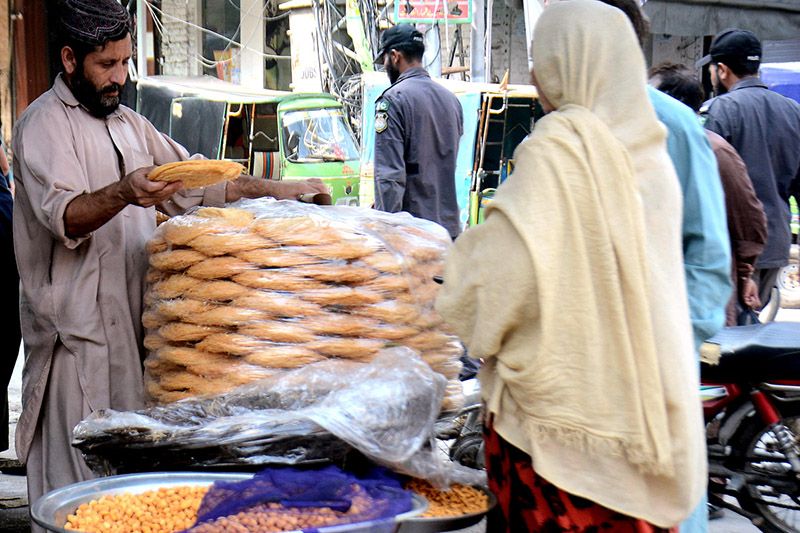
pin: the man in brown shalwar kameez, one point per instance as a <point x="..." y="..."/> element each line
<point x="84" y="210"/>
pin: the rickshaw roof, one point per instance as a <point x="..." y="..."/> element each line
<point x="459" y="86"/>
<point x="216" y="89"/>
<point x="513" y="90"/>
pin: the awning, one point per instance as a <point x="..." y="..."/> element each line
<point x="769" y="19"/>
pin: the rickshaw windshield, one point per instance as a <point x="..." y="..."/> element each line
<point x="314" y="135"/>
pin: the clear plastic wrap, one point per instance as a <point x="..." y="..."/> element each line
<point x="385" y="409"/>
<point x="240" y="293"/>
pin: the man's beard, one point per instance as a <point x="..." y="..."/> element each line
<point x="392" y="71"/>
<point x="99" y="103"/>
<point x="719" y="88"/>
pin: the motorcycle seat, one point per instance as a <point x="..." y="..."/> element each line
<point x="759" y="352"/>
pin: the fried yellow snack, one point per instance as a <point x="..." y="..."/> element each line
<point x="221" y="267"/>
<point x="283" y="356"/>
<point x="174" y="286"/>
<point x="185" y="332"/>
<point x="214" y="244"/>
<point x="156" y="244"/>
<point x="278" y="331"/>
<point x="197" y="172"/>
<point x="230" y="343"/>
<point x="161" y="218"/>
<point x="458" y="500"/>
<point x="341" y="296"/>
<point x="216" y="290"/>
<point x="237" y="217"/>
<point x="176" y="260"/>
<point x="346" y="348"/>
<point x="277" y="304"/>
<point x="343" y="324"/>
<point x="277" y="280"/>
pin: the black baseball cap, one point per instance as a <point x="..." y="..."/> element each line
<point x="396" y="36"/>
<point x="742" y="44"/>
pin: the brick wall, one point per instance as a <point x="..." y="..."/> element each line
<point x="509" y="47"/>
<point x="180" y="43"/>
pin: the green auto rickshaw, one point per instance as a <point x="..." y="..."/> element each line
<point x="274" y="134"/>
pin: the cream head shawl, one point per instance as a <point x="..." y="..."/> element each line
<point x="585" y="329"/>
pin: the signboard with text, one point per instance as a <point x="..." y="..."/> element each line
<point x="450" y="11"/>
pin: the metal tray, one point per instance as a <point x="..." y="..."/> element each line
<point x="51" y="510"/>
<point x="424" y="524"/>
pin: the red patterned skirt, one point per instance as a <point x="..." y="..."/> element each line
<point x="529" y="503"/>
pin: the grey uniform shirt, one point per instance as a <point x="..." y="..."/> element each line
<point x="418" y="124"/>
<point x="764" y="127"/>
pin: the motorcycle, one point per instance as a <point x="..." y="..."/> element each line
<point x="461" y="434"/>
<point x="751" y="404"/>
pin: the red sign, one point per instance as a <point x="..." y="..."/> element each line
<point x="457" y="12"/>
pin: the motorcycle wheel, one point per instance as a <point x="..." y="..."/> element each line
<point x="468" y="450"/>
<point x="780" y="507"/>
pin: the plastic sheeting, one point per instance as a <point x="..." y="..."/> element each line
<point x="240" y="293"/>
<point x="385" y="409"/>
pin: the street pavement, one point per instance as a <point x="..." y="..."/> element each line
<point x="14" y="517"/>
<point x="13" y="488"/>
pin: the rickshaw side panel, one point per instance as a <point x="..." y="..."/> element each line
<point x="154" y="102"/>
<point x="197" y="124"/>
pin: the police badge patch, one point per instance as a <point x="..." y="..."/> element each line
<point x="380" y="121"/>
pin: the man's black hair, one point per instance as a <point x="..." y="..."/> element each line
<point x="631" y="8"/>
<point x="679" y="82"/>
<point x="411" y="51"/>
<point x="738" y="65"/>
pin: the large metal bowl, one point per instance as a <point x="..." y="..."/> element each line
<point x="431" y="524"/>
<point x="51" y="510"/>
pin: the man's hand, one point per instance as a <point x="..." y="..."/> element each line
<point x="294" y="190"/>
<point x="250" y="187"/>
<point x="87" y="212"/>
<point x="136" y="189"/>
<point x="748" y="293"/>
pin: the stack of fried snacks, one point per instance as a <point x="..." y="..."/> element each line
<point x="197" y="172"/>
<point x="236" y="294"/>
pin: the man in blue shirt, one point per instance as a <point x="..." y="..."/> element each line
<point x="764" y="127"/>
<point x="706" y="245"/>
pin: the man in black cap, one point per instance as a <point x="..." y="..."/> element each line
<point x="418" y="124"/>
<point x="84" y="210"/>
<point x="764" y="127"/>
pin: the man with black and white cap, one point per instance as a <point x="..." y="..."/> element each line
<point x="84" y="210"/>
<point x="764" y="127"/>
<point x="418" y="124"/>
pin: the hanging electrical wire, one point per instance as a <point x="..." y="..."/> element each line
<point x="231" y="44"/>
<point x="341" y="72"/>
<point x="265" y="17"/>
<point x="340" y="65"/>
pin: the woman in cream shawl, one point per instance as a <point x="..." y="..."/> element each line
<point x="573" y="293"/>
